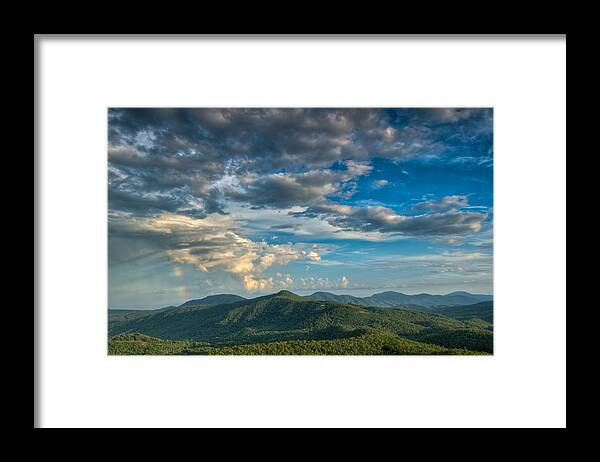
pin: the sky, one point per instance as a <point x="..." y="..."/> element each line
<point x="253" y="201"/>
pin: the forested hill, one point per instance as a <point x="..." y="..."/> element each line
<point x="285" y="317"/>
<point x="483" y="310"/>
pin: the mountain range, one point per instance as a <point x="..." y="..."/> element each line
<point x="381" y="300"/>
<point x="397" y="299"/>
<point x="322" y="323"/>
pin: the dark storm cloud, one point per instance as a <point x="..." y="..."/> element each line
<point x="191" y="162"/>
<point x="261" y="139"/>
<point x="169" y="157"/>
<point x="282" y="190"/>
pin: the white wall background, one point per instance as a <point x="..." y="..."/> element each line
<point x="523" y="384"/>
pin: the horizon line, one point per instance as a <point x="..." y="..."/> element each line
<point x="312" y="293"/>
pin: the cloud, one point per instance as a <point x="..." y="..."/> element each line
<point x="287" y="137"/>
<point x="317" y="282"/>
<point x="457" y="263"/>
<point x="256" y="221"/>
<point x="285" y="281"/>
<point x="213" y="243"/>
<point x="178" y="160"/>
<point x="446" y="219"/>
<point x="472" y="161"/>
<point x="284" y="226"/>
<point x="443" y="205"/>
<point x="448" y="115"/>
<point x="378" y="184"/>
<point x="283" y="190"/>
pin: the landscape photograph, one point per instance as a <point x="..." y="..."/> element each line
<point x="300" y="231"/>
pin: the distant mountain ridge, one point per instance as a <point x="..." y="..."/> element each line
<point x="392" y="299"/>
<point x="389" y="299"/>
<point x="214" y="300"/>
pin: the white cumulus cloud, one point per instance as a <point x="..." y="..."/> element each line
<point x="213" y="243"/>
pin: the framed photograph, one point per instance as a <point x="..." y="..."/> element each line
<point x="289" y="231"/>
<point x="223" y="222"/>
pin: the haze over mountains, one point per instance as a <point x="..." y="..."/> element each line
<point x="286" y="323"/>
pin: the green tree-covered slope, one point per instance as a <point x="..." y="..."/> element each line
<point x="286" y="317"/>
<point x="483" y="311"/>
<point x="367" y="342"/>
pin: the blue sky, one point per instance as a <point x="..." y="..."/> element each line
<point x="252" y="201"/>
